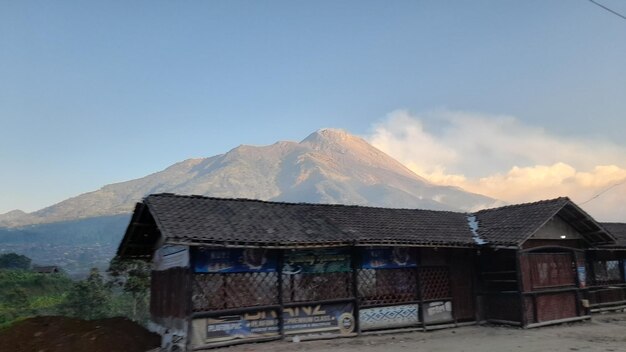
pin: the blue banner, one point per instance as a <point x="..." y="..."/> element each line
<point x="388" y="258"/>
<point x="235" y="260"/>
<point x="335" y="318"/>
<point x="332" y="260"/>
<point x="242" y="326"/>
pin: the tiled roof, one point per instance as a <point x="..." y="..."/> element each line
<point x="197" y="219"/>
<point x="618" y="230"/>
<point x="203" y="220"/>
<point x="512" y="225"/>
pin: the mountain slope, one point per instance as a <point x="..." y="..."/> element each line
<point x="329" y="166"/>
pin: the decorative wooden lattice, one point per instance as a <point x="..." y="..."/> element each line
<point x="316" y="287"/>
<point x="434" y="283"/>
<point x="387" y="286"/>
<point x="605" y="272"/>
<point x="234" y="290"/>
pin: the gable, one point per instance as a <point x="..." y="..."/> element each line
<point x="555" y="229"/>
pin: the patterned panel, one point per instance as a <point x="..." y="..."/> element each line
<point x="225" y="291"/>
<point x="435" y="283"/>
<point x="388" y="317"/>
<point x="551" y="270"/>
<point x="556" y="306"/>
<point x="316" y="287"/>
<point x="387" y="286"/>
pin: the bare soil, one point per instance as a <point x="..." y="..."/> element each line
<point x="605" y="332"/>
<point x="56" y="334"/>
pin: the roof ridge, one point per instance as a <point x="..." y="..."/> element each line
<point x="519" y="205"/>
<point x="198" y="196"/>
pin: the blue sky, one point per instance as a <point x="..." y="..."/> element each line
<point x="93" y="93"/>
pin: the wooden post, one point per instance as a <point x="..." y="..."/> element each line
<point x="520" y="287"/>
<point x="355" y="264"/>
<point x="418" y="285"/>
<point x="281" y="303"/>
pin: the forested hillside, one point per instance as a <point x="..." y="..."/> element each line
<point x="75" y="246"/>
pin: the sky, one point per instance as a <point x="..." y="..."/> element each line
<point x="519" y="100"/>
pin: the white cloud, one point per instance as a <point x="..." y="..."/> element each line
<point x="502" y="157"/>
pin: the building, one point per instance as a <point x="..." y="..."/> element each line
<point x="229" y="271"/>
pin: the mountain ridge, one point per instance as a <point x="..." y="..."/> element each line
<point x="328" y="166"/>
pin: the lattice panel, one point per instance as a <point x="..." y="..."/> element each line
<point x="316" y="287"/>
<point x="434" y="282"/>
<point x="225" y="291"/>
<point x="387" y="286"/>
<point x="606" y="272"/>
<point x="556" y="306"/>
<point x="551" y="270"/>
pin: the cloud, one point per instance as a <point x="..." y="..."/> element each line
<point x="502" y="157"/>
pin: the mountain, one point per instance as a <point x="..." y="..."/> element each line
<point x="329" y="166"/>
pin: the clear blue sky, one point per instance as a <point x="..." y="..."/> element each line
<point x="96" y="92"/>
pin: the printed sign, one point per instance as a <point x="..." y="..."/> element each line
<point x="389" y="317"/>
<point x="321" y="318"/>
<point x="438" y="312"/>
<point x="388" y="258"/>
<point x="236" y="260"/>
<point x="245" y="326"/>
<point x="317" y="261"/>
<point x="582" y="276"/>
<point x="171" y="256"/>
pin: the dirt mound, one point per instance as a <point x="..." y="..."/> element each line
<point x="56" y="334"/>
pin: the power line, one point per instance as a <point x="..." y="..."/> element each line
<point x="608" y="9"/>
<point x="601" y="193"/>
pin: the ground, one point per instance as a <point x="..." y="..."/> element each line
<point x="605" y="332"/>
<point x="63" y="334"/>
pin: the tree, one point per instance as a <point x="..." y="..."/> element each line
<point x="89" y="299"/>
<point x="14" y="261"/>
<point x="133" y="278"/>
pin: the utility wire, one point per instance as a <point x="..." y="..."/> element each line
<point x="601" y="193"/>
<point x="608" y="9"/>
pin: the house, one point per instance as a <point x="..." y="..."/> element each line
<point x="533" y="271"/>
<point x="50" y="269"/>
<point x="232" y="270"/>
<point x="229" y="271"/>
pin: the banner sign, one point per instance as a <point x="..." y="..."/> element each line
<point x="233" y="260"/>
<point x="317" y="261"/>
<point x="438" y="312"/>
<point x="171" y="256"/>
<point x="582" y="276"/>
<point x="245" y="326"/>
<point x="320" y="318"/>
<point x="388" y="258"/>
<point x="389" y="317"/>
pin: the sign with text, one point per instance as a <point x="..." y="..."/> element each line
<point x="317" y="261"/>
<point x="388" y="258"/>
<point x="389" y="317"/>
<point x="242" y="326"/>
<point x="438" y="312"/>
<point x="171" y="256"/>
<point x="320" y="318"/>
<point x="233" y="260"/>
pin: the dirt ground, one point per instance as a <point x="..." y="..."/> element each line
<point x="62" y="334"/>
<point x="605" y="332"/>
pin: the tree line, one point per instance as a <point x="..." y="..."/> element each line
<point x="122" y="290"/>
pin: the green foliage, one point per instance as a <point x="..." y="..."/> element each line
<point x="14" y="261"/>
<point x="88" y="299"/>
<point x="125" y="293"/>
<point x="25" y="293"/>
<point x="133" y="278"/>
